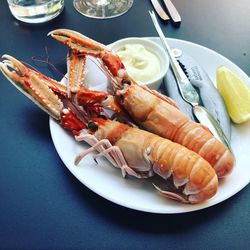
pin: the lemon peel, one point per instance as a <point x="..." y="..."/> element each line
<point x="236" y="94"/>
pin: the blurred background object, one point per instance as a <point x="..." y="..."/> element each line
<point x="35" y="11"/>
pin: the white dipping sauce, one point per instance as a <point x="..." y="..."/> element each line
<point x="141" y="64"/>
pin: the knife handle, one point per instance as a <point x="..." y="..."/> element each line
<point x="163" y="15"/>
<point x="205" y="118"/>
<point x="172" y="11"/>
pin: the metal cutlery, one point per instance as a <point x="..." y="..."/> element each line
<point x="188" y="92"/>
<point x="173" y="12"/>
<point x="163" y="15"/>
<point x="209" y="95"/>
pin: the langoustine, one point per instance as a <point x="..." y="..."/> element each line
<point x="149" y="109"/>
<point x="136" y="152"/>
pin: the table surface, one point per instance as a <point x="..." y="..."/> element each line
<point x="42" y="205"/>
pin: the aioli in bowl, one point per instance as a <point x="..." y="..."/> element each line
<point x="140" y="63"/>
<point x="145" y="61"/>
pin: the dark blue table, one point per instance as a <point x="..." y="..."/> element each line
<point x="43" y="206"/>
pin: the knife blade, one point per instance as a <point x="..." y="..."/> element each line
<point x="209" y="95"/>
<point x="163" y="15"/>
<point x="173" y="12"/>
<point x="213" y="101"/>
<point x="188" y="92"/>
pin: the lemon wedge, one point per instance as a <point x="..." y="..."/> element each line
<point x="236" y="94"/>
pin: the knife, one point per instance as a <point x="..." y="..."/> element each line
<point x="197" y="76"/>
<point x="188" y="92"/>
<point x="173" y="12"/>
<point x="163" y="15"/>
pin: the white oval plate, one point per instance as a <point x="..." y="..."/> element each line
<point x="137" y="194"/>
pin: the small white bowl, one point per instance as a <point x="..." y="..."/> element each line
<point x="151" y="47"/>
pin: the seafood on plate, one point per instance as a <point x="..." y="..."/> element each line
<point x="136" y="152"/>
<point x="149" y="109"/>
